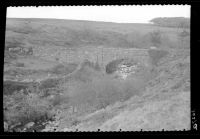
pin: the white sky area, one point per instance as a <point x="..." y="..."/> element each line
<point x="119" y="14"/>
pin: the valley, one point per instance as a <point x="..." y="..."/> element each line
<point x="64" y="75"/>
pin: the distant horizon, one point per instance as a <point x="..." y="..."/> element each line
<point x="114" y="14"/>
<point x="87" y="20"/>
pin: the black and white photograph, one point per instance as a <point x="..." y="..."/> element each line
<point x="97" y="68"/>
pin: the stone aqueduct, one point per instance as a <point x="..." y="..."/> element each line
<point x="101" y="54"/>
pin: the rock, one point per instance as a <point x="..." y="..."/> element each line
<point x="56" y="124"/>
<point x="29" y="125"/>
<point x="13" y="126"/>
<point x="44" y="123"/>
<point x="65" y="130"/>
<point x="17" y="130"/>
<point x="5" y="126"/>
<point x="48" y="129"/>
<point x="45" y="130"/>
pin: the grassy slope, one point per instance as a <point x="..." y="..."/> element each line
<point x="166" y="100"/>
<point x="69" y="33"/>
<point x="50" y="34"/>
<point x="147" y="113"/>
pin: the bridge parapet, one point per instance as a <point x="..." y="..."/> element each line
<point x="101" y="55"/>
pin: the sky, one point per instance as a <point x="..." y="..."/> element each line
<point x="118" y="14"/>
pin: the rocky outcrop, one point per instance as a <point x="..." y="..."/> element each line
<point x="123" y="67"/>
<point x="124" y="71"/>
<point x="21" y="50"/>
<point x="29" y="125"/>
<point x="5" y="127"/>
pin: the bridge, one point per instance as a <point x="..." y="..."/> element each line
<point x="102" y="55"/>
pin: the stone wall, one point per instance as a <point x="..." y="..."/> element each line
<point x="101" y="54"/>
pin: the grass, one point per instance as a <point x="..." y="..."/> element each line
<point x="90" y="91"/>
<point x="63" y="69"/>
<point x="20" y="64"/>
<point x="95" y="91"/>
<point x="68" y="33"/>
<point x="23" y="108"/>
<point x="49" y="83"/>
<point x="10" y="86"/>
<point x="156" y="55"/>
<point x="151" y="105"/>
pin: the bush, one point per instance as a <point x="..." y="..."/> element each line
<point x="61" y="69"/>
<point x="10" y="86"/>
<point x="49" y="83"/>
<point x="23" y="108"/>
<point x="88" y="70"/>
<point x="58" y="99"/>
<point x="87" y="63"/>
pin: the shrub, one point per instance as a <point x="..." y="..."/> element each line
<point x="87" y="63"/>
<point x="58" y="99"/>
<point x="58" y="69"/>
<point x="49" y="83"/>
<point x="88" y="70"/>
<point x="61" y="69"/>
<point x="23" y="108"/>
<point x="10" y="86"/>
<point x="36" y="107"/>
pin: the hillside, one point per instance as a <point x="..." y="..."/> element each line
<point x="63" y="75"/>
<point x="83" y="33"/>
<point x="163" y="104"/>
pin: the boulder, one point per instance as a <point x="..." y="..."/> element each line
<point x="5" y="126"/>
<point x="14" y="125"/>
<point x="65" y="129"/>
<point x="29" y="125"/>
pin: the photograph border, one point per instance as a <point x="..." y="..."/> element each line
<point x="194" y="43"/>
